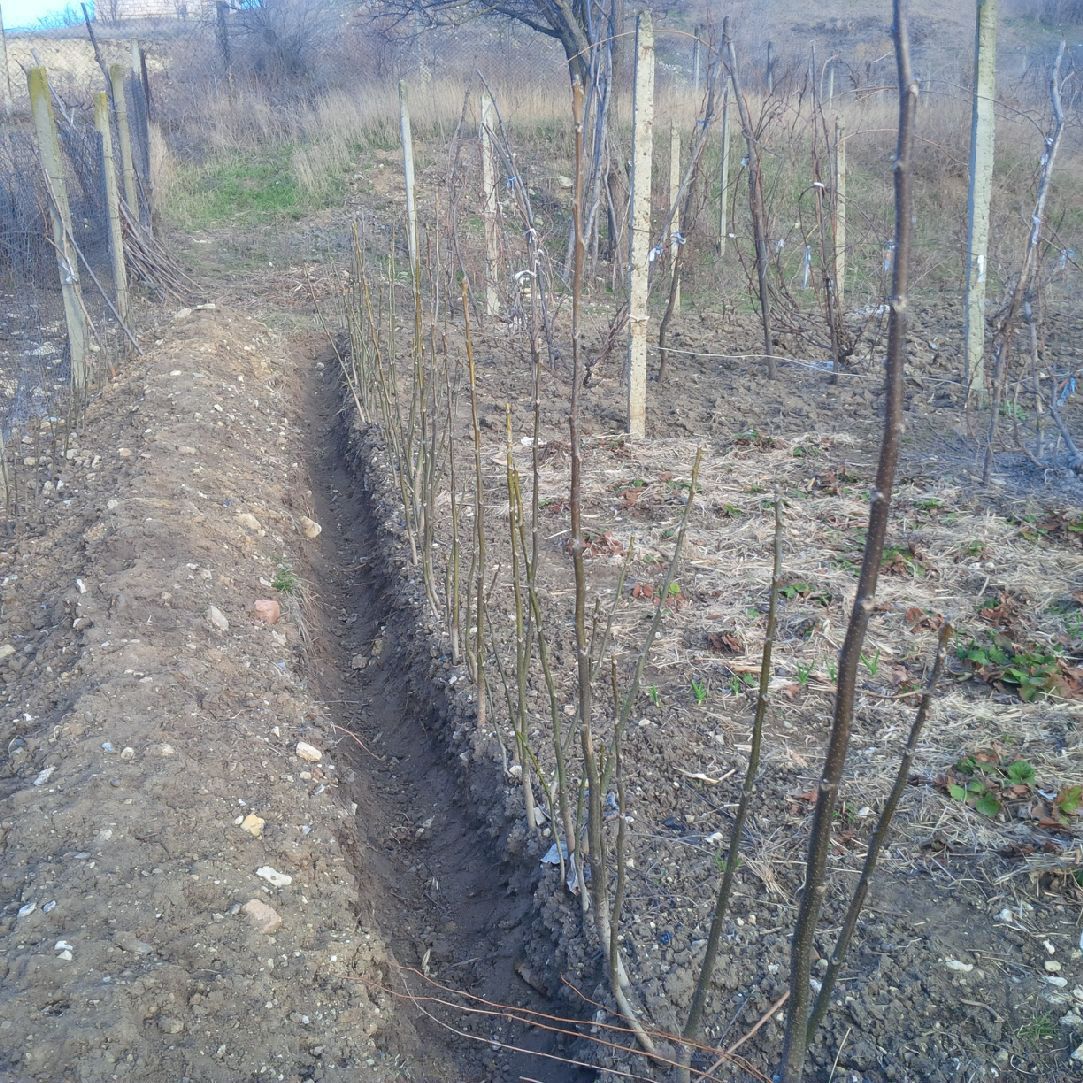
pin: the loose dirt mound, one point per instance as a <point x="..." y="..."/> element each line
<point x="144" y="937"/>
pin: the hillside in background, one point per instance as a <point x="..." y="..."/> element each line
<point x="859" y="32"/>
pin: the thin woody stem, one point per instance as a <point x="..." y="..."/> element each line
<point x="795" y="1045"/>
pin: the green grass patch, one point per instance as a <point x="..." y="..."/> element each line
<point x="249" y="189"/>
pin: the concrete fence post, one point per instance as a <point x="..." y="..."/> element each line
<point x="675" y="229"/>
<point x="490" y="207"/>
<point x="112" y="202"/>
<point x="639" y="235"/>
<point x="723" y="201"/>
<point x="41" y="107"/>
<point x="408" y="176"/>
<point x="696" y="62"/>
<point x="979" y="198"/>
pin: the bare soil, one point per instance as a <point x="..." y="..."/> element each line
<point x="138" y="734"/>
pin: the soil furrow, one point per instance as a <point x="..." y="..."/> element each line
<point x="430" y="871"/>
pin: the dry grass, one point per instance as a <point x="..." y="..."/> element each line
<point x="950" y="555"/>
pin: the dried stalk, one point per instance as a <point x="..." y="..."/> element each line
<point x="684" y="200"/>
<point x="519" y="712"/>
<point x="479" y="517"/>
<point x="632" y="692"/>
<point x="592" y="770"/>
<point x="1028" y="270"/>
<point x="452" y="578"/>
<point x="755" y="195"/>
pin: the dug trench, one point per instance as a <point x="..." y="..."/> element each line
<point x="187" y="892"/>
<point x="439" y="866"/>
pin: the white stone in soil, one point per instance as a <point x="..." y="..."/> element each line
<point x="959" y="967"/>
<point x="273" y="876"/>
<point x="308" y="753"/>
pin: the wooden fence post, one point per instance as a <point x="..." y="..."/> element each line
<point x="674" y="191"/>
<point x="112" y="202"/>
<point x="41" y="107"/>
<point x="491" y="209"/>
<point x="840" y="214"/>
<point x="124" y="133"/>
<point x="979" y="198"/>
<point x="723" y="209"/>
<point x="139" y="130"/>
<point x="408" y="176"/>
<point x="639" y="235"/>
<point x="144" y="79"/>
